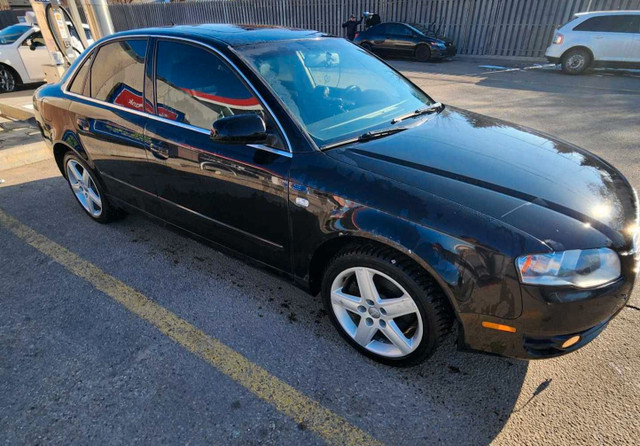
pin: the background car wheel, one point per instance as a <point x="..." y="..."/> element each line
<point x="8" y="81"/>
<point x="366" y="46"/>
<point x="575" y="61"/>
<point x="423" y="53"/>
<point x="384" y="305"/>
<point x="88" y="191"/>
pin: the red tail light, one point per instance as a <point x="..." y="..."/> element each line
<point x="357" y="34"/>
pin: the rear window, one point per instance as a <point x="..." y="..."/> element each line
<point x="80" y="83"/>
<point x="611" y="24"/>
<point x="117" y="75"/>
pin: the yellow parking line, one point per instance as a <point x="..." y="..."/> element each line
<point x="302" y="409"/>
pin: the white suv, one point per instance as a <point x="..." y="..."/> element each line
<point x="601" y="38"/>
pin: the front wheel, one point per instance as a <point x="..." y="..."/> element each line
<point x="423" y="53"/>
<point x="7" y="80"/>
<point x="88" y="190"/>
<point x="385" y="306"/>
<point x="576" y="61"/>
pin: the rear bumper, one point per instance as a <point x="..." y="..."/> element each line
<point x="550" y="317"/>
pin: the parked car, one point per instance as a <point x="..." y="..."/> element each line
<point x="597" y="39"/>
<point x="309" y="156"/>
<point x="405" y="40"/>
<point x="23" y="52"/>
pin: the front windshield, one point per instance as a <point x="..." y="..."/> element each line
<point x="12" y="33"/>
<point x="336" y="90"/>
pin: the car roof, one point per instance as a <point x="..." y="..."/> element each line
<point x="232" y="35"/>
<point x="582" y="14"/>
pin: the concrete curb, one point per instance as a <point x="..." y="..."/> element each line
<point x="15" y="112"/>
<point x="23" y="155"/>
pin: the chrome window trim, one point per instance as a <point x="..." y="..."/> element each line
<point x="234" y="67"/>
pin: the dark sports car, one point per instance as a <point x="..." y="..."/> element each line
<point x="405" y="40"/>
<point x="309" y="156"/>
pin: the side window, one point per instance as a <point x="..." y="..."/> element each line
<point x="380" y="29"/>
<point x="118" y="72"/>
<point x="198" y="96"/>
<point x="612" y="24"/>
<point x="398" y="30"/>
<point x="36" y="40"/>
<point x="80" y="83"/>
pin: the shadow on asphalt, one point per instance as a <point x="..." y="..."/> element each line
<point x="455" y="397"/>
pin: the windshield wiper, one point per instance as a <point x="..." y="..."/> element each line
<point x="435" y="107"/>
<point x="379" y="134"/>
<point x="368" y="136"/>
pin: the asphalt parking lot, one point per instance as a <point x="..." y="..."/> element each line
<point x="132" y="333"/>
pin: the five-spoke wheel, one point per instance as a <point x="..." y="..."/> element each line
<point x="376" y="311"/>
<point x="87" y="189"/>
<point x="385" y="305"/>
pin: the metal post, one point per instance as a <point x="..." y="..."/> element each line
<point x="77" y="21"/>
<point x="99" y="18"/>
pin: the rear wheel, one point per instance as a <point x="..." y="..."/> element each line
<point x="8" y="81"/>
<point x="384" y="305"/>
<point x="576" y="61"/>
<point x="423" y="53"/>
<point x="88" y="190"/>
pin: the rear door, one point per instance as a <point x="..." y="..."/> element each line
<point x="109" y="120"/>
<point x="234" y="194"/>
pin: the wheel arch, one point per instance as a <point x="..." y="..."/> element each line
<point x="582" y="47"/>
<point x="330" y="247"/>
<point x="60" y="148"/>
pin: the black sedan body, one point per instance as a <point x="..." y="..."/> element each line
<point x="394" y="39"/>
<point x="456" y="199"/>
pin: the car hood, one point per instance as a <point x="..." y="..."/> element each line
<point x="523" y="175"/>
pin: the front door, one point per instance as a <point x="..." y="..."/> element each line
<point x="34" y="54"/>
<point x="234" y="194"/>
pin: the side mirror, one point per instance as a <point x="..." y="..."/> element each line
<point x="30" y="44"/>
<point x="243" y="128"/>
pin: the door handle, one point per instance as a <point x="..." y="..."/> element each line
<point x="83" y="124"/>
<point x="158" y="151"/>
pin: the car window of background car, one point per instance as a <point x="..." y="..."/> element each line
<point x="611" y="23"/>
<point x="36" y="40"/>
<point x="398" y="29"/>
<point x="198" y="96"/>
<point x="117" y="73"/>
<point x="80" y="83"/>
<point x="335" y="89"/>
<point x="12" y="33"/>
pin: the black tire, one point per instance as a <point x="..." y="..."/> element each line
<point x="423" y="53"/>
<point x="576" y="61"/>
<point x="367" y="46"/>
<point x="433" y="306"/>
<point x="8" y="80"/>
<point x="107" y="212"/>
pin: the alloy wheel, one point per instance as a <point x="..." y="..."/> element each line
<point x="84" y="188"/>
<point x="7" y="81"/>
<point x="376" y="312"/>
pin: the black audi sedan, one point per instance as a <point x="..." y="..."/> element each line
<point x="306" y="154"/>
<point x="405" y="40"/>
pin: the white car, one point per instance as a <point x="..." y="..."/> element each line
<point x="23" y="52"/>
<point x="597" y="39"/>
